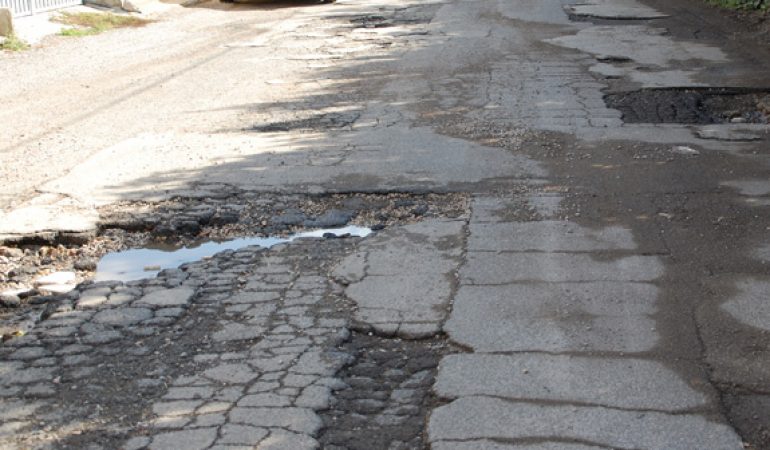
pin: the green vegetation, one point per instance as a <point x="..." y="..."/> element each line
<point x="77" y="32"/>
<point x="742" y="4"/>
<point x="87" y="23"/>
<point x="13" y="44"/>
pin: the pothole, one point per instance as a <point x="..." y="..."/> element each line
<point x="389" y="396"/>
<point x="692" y="105"/>
<point x="216" y="214"/>
<point x="321" y="122"/>
<point x="139" y="263"/>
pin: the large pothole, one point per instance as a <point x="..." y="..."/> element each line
<point x="214" y="214"/>
<point x="692" y="105"/>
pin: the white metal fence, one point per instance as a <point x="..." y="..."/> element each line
<point x="27" y="7"/>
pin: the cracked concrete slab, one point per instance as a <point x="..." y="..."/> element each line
<point x="627" y="383"/>
<point x="641" y="43"/>
<point x="479" y="418"/>
<point x="501" y="268"/>
<point x="555" y="317"/>
<point x="401" y="279"/>
<point x="546" y="236"/>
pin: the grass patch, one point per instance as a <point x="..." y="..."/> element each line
<point x="90" y="23"/>
<point x="13" y="44"/>
<point x="77" y="32"/>
<point x="760" y="5"/>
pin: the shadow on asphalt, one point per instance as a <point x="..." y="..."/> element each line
<point x="246" y="5"/>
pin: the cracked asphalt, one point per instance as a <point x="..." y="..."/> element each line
<point x="569" y="204"/>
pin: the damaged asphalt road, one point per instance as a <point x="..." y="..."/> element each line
<point x="569" y="214"/>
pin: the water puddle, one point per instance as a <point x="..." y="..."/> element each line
<point x="136" y="264"/>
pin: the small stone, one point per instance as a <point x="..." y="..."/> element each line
<point x="58" y="288"/>
<point x="684" y="150"/>
<point x="9" y="300"/>
<point x="11" y="252"/>
<point x="289" y="217"/>
<point x="86" y="264"/>
<point x="331" y="218"/>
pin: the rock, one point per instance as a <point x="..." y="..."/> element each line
<point x="86" y="264"/>
<point x="6" y="22"/>
<point x="42" y="299"/>
<point x="20" y="272"/>
<point x="56" y="278"/>
<point x="225" y="217"/>
<point x="684" y="150"/>
<point x="76" y="238"/>
<point x="187" y="226"/>
<point x="22" y="292"/>
<point x="58" y="288"/>
<point x="420" y="210"/>
<point x="331" y="218"/>
<point x="11" y="252"/>
<point x="764" y="105"/>
<point x="9" y="300"/>
<point x="289" y="217"/>
<point x="129" y="6"/>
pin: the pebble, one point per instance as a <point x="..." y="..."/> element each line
<point x="11" y="252"/>
<point x="86" y="264"/>
<point x="9" y="300"/>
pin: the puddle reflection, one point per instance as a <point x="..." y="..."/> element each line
<point x="139" y="263"/>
